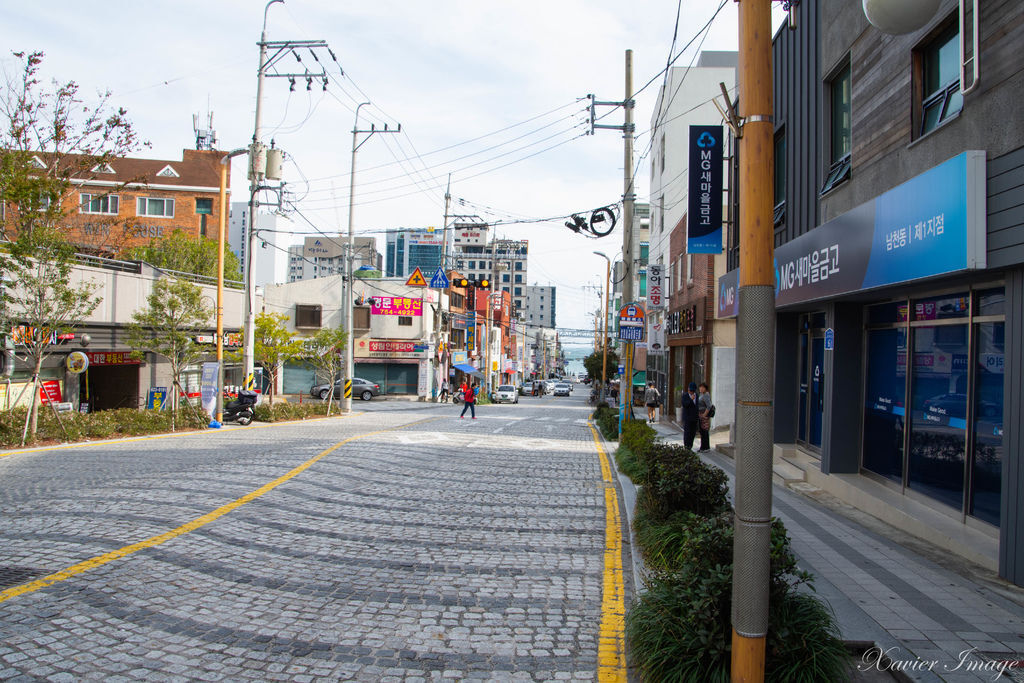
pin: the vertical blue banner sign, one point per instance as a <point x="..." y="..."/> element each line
<point x="704" y="216"/>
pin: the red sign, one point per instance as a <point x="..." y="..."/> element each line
<point x="49" y="392"/>
<point x="111" y="358"/>
<point x="403" y="347"/>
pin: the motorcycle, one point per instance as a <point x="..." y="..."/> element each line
<point x="241" y="409"/>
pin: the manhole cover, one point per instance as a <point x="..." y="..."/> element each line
<point x="12" y="576"/>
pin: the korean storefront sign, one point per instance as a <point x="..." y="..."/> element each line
<point x="931" y="225"/>
<point x="704" y="216"/>
<point x="111" y="358"/>
<point x="396" y="305"/>
<point x="655" y="287"/>
<point x="382" y="348"/>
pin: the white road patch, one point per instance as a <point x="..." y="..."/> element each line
<point x="422" y="437"/>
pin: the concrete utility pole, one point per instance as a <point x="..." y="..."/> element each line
<point x="755" y="347"/>
<point x="221" y="233"/>
<point x="629" y="191"/>
<point x="604" y="333"/>
<point x="256" y="154"/>
<point x="346" y="399"/>
<point x="442" y="369"/>
<point x="490" y="308"/>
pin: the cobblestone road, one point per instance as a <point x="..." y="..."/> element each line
<point x="423" y="547"/>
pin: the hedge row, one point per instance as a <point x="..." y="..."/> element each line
<point x="680" y="629"/>
<point x="104" y="424"/>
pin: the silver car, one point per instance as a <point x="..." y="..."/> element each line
<point x="562" y="389"/>
<point x="361" y="388"/>
<point x="506" y="393"/>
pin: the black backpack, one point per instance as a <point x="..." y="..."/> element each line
<point x="711" y="411"/>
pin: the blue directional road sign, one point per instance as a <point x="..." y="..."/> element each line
<point x="439" y="280"/>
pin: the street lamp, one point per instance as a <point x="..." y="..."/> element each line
<point x="604" y="334"/>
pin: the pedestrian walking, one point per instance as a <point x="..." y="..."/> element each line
<point x="444" y="391"/>
<point x="691" y="415"/>
<point x="705" y="411"/>
<point x="652" y="399"/>
<point x="469" y="398"/>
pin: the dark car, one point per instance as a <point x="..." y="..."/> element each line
<point x="363" y="388"/>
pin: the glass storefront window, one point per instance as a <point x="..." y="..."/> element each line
<point x="885" y="396"/>
<point x="992" y="302"/>
<point x="818" y="320"/>
<point x="938" y="422"/>
<point x="943" y="307"/>
<point x="987" y="466"/>
<point x="883" y="314"/>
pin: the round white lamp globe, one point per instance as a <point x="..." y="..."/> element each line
<point x="899" y="16"/>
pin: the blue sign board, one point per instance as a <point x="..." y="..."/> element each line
<point x="931" y="225"/>
<point x="156" y="398"/>
<point x="830" y="339"/>
<point x="622" y="369"/>
<point x="439" y="279"/>
<point x="704" y="216"/>
<point x="634" y="334"/>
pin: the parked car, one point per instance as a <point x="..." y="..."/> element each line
<point x="563" y="389"/>
<point x="363" y="388"/>
<point x="506" y="393"/>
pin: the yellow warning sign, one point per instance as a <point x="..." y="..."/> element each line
<point x="416" y="279"/>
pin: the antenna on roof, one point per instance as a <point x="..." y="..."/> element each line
<point x="206" y="138"/>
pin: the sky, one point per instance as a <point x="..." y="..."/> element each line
<point x="488" y="92"/>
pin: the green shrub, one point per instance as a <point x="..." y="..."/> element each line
<point x="674" y="479"/>
<point x="680" y="629"/>
<point x="99" y="425"/>
<point x="280" y="412"/>
<point x="637" y="436"/>
<point x="607" y="419"/>
<point x="628" y="464"/>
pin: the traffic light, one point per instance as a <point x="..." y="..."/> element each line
<point x="460" y="282"/>
<point x="483" y="283"/>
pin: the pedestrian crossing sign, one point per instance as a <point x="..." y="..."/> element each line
<point x="439" y="280"/>
<point x="416" y="279"/>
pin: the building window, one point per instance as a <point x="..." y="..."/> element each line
<point x="689" y="268"/>
<point x="308" y="315"/>
<point x="361" y="318"/>
<point x="519" y="265"/>
<point x="519" y="291"/>
<point x="839" y="129"/>
<point x="519" y="278"/>
<point x="780" y="176"/>
<point x="153" y="206"/>
<point x="204" y="206"/>
<point x="940" y="80"/>
<point x="109" y="204"/>
<point x="405" y="321"/>
<point x="505" y="277"/>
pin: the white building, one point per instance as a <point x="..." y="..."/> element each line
<point x="393" y="330"/>
<point x="684" y="100"/>
<point x="477" y="255"/>
<point x="322" y="256"/>
<point x="274" y="234"/>
<point x="539" y="310"/>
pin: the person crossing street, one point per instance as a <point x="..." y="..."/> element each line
<point x="469" y="397"/>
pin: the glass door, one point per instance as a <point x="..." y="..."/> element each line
<point x="816" y="399"/>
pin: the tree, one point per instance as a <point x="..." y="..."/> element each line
<point x="273" y="345"/>
<point x="174" y="314"/>
<point x="43" y="301"/>
<point x="324" y="352"/>
<point x="592" y="363"/>
<point x="48" y="140"/>
<point x="184" y="253"/>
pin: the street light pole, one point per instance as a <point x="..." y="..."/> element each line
<point x="604" y="327"/>
<point x="255" y="176"/>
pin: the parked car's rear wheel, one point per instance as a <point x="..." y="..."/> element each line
<point x="323" y="394"/>
<point x="366" y="395"/>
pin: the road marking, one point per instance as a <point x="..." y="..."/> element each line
<point x="424" y="437"/>
<point x="611" y="644"/>
<point x="106" y="558"/>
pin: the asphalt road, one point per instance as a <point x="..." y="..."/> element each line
<point x="402" y="543"/>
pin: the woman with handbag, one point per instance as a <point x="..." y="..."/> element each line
<point x="705" y="411"/>
<point x="652" y="398"/>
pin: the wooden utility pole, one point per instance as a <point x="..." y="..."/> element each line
<point x="755" y="347"/>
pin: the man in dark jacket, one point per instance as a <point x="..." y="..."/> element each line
<point x="691" y="416"/>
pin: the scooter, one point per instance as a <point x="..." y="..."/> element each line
<point x="241" y="409"/>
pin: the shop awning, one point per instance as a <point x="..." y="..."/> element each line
<point x="639" y="378"/>
<point x="468" y="369"/>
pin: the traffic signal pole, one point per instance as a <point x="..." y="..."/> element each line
<point x="755" y="347"/>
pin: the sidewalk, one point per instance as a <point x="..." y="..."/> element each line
<point x="935" y="616"/>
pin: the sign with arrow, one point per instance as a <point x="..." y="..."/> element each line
<point x="439" y="280"/>
<point x="416" y="279"/>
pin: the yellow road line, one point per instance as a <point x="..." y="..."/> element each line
<point x="154" y="541"/>
<point x="611" y="643"/>
<point x="107" y="442"/>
